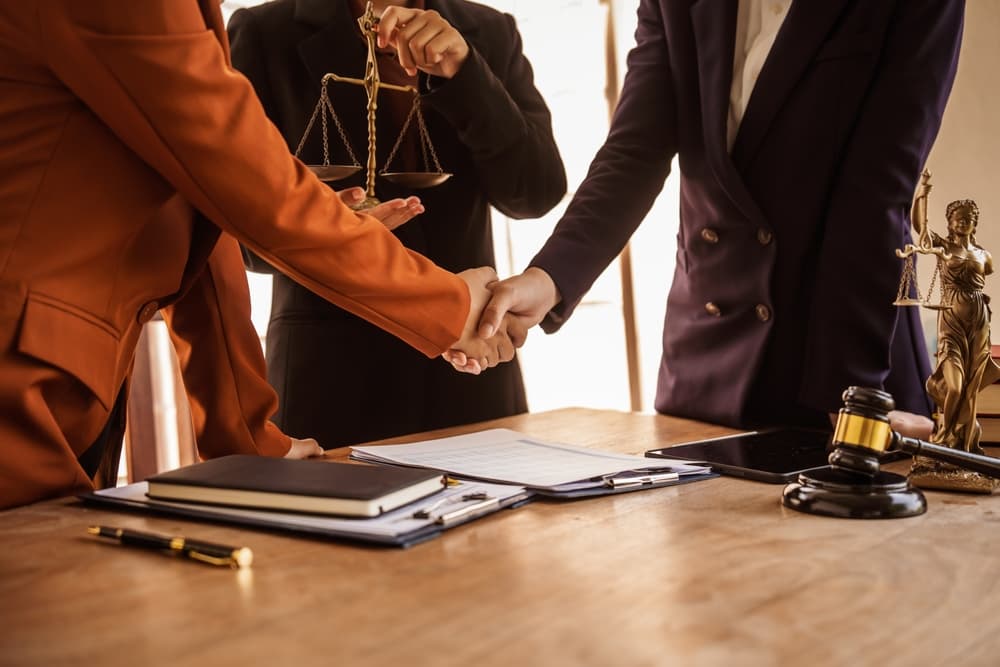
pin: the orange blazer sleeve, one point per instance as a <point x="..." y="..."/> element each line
<point x="222" y="362"/>
<point x="160" y="80"/>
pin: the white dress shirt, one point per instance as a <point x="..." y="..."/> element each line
<point x="757" y="25"/>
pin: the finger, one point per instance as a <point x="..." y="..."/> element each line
<point x="516" y="329"/>
<point x="418" y="44"/>
<point x="440" y="46"/>
<point x="387" y="207"/>
<point x="518" y="338"/>
<point x="456" y="357"/>
<point x="505" y="350"/>
<point x="404" y="50"/>
<point x="472" y="367"/>
<point x="501" y="301"/>
<point x="352" y="196"/>
<point x="404" y="215"/>
<point x="388" y="22"/>
<point x="911" y="425"/>
<point x="303" y="448"/>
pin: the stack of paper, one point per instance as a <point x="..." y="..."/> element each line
<point x="412" y="523"/>
<point x="509" y="457"/>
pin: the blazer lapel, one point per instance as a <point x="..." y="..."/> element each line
<point x="714" y="23"/>
<point x="798" y="40"/>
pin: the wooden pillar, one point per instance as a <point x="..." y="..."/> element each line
<point x="611" y="91"/>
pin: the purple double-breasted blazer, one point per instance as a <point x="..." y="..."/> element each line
<point x="785" y="271"/>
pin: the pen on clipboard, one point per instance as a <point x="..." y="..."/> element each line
<point x="637" y="478"/>
<point x="205" y="552"/>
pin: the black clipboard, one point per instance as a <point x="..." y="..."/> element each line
<point x="447" y="510"/>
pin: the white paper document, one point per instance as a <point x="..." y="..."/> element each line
<point x="510" y="457"/>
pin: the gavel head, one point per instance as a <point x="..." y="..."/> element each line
<point x="862" y="431"/>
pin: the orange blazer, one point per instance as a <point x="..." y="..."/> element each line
<point x="118" y="120"/>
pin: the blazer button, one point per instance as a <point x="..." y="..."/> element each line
<point x="763" y="312"/>
<point x="710" y="235"/>
<point x="147" y="312"/>
<point x="764" y="236"/>
<point x="712" y="309"/>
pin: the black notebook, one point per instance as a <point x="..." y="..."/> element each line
<point x="317" y="487"/>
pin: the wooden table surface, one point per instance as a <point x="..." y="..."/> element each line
<point x="716" y="572"/>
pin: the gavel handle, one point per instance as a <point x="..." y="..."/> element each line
<point x="987" y="465"/>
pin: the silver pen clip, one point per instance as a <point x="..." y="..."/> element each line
<point x="448" y="518"/>
<point x="427" y="512"/>
<point x="640" y="480"/>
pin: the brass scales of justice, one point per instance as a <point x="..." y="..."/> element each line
<point x="432" y="175"/>
<point x="908" y="281"/>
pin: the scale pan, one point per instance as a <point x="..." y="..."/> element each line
<point x="333" y="172"/>
<point x="416" y="179"/>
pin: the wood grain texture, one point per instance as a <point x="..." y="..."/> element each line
<point x="713" y="573"/>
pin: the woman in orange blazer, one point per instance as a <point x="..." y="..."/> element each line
<point x="118" y="121"/>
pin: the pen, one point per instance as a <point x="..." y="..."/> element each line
<point x="206" y="552"/>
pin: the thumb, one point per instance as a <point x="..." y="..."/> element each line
<point x="352" y="196"/>
<point x="501" y="301"/>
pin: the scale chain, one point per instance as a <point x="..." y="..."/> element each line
<point x="323" y="107"/>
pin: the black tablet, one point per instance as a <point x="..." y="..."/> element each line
<point x="773" y="455"/>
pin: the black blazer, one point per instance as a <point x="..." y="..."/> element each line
<point x="340" y="379"/>
<point x="785" y="275"/>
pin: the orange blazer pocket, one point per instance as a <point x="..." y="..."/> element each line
<point x="72" y="340"/>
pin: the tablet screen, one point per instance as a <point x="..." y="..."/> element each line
<point x="778" y="451"/>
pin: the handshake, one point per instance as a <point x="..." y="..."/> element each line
<point x="500" y="314"/>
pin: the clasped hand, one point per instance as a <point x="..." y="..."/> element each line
<point x="500" y="312"/>
<point x="500" y="316"/>
<point x="474" y="353"/>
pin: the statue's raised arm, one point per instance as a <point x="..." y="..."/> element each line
<point x="918" y="213"/>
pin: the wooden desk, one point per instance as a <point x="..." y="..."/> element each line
<point x="710" y="573"/>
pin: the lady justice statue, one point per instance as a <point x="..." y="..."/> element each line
<point x="964" y="365"/>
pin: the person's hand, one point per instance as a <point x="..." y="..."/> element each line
<point x="392" y="213"/>
<point x="502" y="347"/>
<point x="910" y="425"/>
<point x="905" y="423"/>
<point x="304" y="448"/>
<point x="423" y="40"/>
<point x="472" y="353"/>
<point x="528" y="296"/>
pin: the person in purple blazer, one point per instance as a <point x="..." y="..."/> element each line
<point x="801" y="130"/>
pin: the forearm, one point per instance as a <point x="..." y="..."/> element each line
<point x="507" y="128"/>
<point x="140" y="77"/>
<point x="625" y="177"/>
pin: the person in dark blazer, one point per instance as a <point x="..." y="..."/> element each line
<point x="796" y="179"/>
<point x="338" y="378"/>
